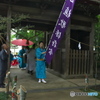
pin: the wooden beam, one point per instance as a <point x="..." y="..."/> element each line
<point x="44" y="17"/>
<point x="82" y="18"/>
<point x="77" y="27"/>
<point x="39" y="21"/>
<point x="50" y="2"/>
<point x="34" y="13"/>
<point x="98" y="1"/>
<point x="41" y="27"/>
<point x="94" y="2"/>
<point x="30" y="10"/>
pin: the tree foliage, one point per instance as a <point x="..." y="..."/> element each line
<point x="33" y="35"/>
<point x="15" y="19"/>
<point x="21" y="32"/>
<point x="97" y="38"/>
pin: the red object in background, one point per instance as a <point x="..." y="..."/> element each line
<point x="14" y="62"/>
<point x="22" y="42"/>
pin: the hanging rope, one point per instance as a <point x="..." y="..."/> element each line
<point x="84" y="43"/>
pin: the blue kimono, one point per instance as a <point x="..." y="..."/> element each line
<point x="22" y="64"/>
<point x="40" y="64"/>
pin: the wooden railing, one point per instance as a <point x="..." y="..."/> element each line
<point x="79" y="62"/>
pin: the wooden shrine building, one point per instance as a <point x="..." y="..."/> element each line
<point x="69" y="61"/>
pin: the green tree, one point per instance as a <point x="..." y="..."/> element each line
<point x="32" y="35"/>
<point x="97" y="38"/>
<point x="17" y="18"/>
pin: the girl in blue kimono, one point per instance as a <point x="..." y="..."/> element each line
<point x="22" y="64"/>
<point x="40" y="63"/>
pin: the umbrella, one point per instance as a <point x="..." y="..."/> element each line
<point x="22" y="42"/>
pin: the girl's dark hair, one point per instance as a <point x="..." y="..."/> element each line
<point x="41" y="42"/>
<point x="27" y="47"/>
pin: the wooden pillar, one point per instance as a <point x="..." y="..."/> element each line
<point x="45" y="38"/>
<point x="49" y="34"/>
<point x="91" y="47"/>
<point x="8" y="32"/>
<point x="67" y="49"/>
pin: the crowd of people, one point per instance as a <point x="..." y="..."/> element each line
<point x="32" y="59"/>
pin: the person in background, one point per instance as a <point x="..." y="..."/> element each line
<point x="25" y="56"/>
<point x="15" y="61"/>
<point x="15" y="56"/>
<point x="40" y="63"/>
<point x="3" y="64"/>
<point x="31" y="60"/>
<point x="27" y="49"/>
<point x="18" y="59"/>
<point x="22" y="65"/>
